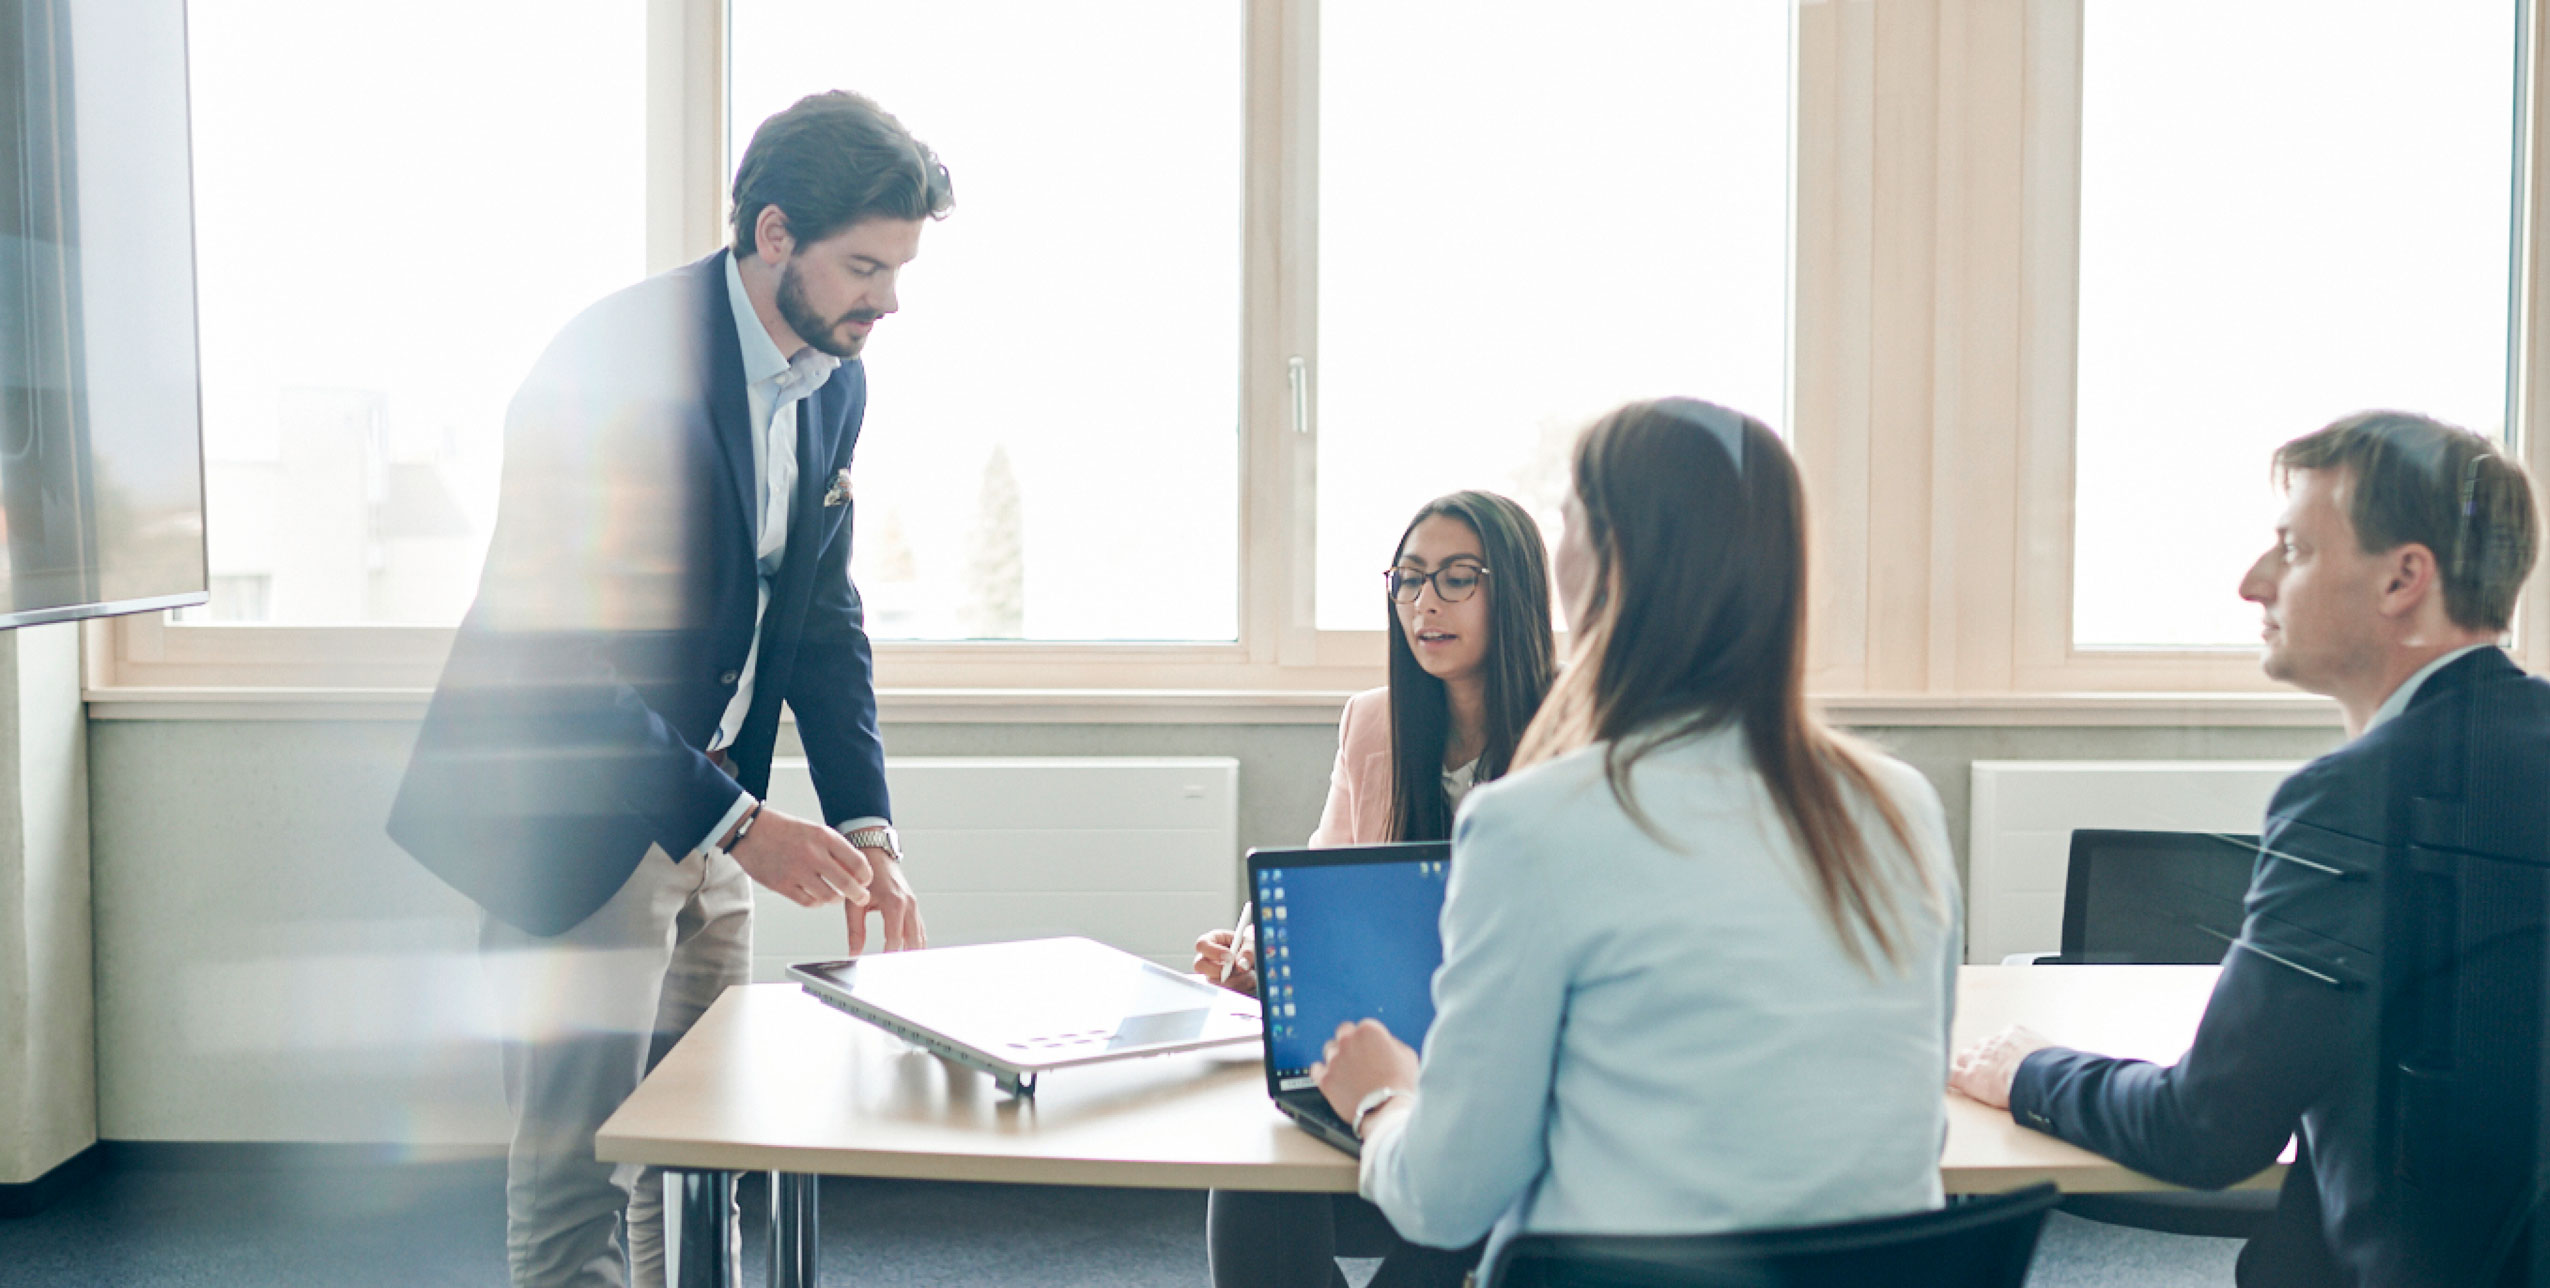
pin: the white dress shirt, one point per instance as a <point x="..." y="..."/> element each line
<point x="2407" y="690"/>
<point x="773" y="386"/>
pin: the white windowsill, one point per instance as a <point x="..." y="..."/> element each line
<point x="1120" y="706"/>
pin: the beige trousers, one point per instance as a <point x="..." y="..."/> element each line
<point x="585" y="1015"/>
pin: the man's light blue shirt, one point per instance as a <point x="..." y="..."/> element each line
<point x="2407" y="690"/>
<point x="773" y="386"/>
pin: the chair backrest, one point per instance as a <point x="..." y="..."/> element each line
<point x="2135" y="898"/>
<point x="1971" y="1243"/>
<point x="2465" y="1050"/>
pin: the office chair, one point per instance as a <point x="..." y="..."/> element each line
<point x="1971" y="1243"/>
<point x="2465" y="1058"/>
<point x="2153" y="898"/>
<point x="2133" y="898"/>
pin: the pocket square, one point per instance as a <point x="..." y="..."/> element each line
<point x="839" y="492"/>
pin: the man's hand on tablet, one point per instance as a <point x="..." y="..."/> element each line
<point x="897" y="909"/>
<point x="807" y="863"/>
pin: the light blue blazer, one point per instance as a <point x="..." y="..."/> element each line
<point x="1641" y="1038"/>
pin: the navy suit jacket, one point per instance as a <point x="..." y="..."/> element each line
<point x="2290" y="1042"/>
<point x="616" y="611"/>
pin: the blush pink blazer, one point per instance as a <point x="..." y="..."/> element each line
<point x="1358" y="811"/>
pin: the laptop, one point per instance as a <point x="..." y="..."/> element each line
<point x="1015" y="1010"/>
<point x="1342" y="935"/>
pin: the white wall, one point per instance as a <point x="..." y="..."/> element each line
<point x="48" y="1105"/>
<point x="254" y="927"/>
<point x="259" y="940"/>
<point x="271" y="968"/>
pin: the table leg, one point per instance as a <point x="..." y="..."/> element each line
<point x="699" y="1230"/>
<point x="793" y="1228"/>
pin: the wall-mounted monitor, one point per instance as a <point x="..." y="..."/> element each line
<point x="101" y="436"/>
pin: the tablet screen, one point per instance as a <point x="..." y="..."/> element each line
<point x="1039" y="1001"/>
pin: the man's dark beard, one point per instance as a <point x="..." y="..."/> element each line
<point x="809" y="326"/>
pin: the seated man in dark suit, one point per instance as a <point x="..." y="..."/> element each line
<point x="2394" y="574"/>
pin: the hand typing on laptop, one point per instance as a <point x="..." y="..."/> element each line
<point x="1357" y="1064"/>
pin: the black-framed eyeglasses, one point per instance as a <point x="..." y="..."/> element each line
<point x="1453" y="582"/>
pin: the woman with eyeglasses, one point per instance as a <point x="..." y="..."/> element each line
<point x="1699" y="948"/>
<point x="1470" y="659"/>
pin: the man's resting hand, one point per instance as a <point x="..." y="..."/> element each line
<point x="808" y="863"/>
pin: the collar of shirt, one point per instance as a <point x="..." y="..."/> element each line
<point x="772" y="379"/>
<point x="806" y="373"/>
<point x="772" y="387"/>
<point x="2407" y="690"/>
<point x="762" y="359"/>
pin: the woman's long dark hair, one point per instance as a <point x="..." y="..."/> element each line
<point x="1520" y="660"/>
<point x="1697" y="619"/>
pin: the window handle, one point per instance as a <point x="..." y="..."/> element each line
<point x="1297" y="373"/>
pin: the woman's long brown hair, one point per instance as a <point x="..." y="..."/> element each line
<point x="1697" y="618"/>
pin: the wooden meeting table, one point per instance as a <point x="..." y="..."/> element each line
<point x="771" y="1080"/>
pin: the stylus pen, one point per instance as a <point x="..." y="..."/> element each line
<point x="1246" y="922"/>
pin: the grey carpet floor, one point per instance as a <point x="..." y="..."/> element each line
<point x="442" y="1224"/>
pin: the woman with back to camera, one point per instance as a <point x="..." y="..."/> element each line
<point x="1470" y="658"/>
<point x="1699" y="949"/>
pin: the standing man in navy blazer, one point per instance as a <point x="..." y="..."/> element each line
<point x="670" y="566"/>
<point x="2394" y="574"/>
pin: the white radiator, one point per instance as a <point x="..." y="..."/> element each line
<point x="2024" y="811"/>
<point x="1141" y="853"/>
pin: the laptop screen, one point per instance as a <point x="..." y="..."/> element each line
<point x="1345" y="935"/>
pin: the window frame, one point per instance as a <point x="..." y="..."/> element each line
<point x="1934" y="233"/>
<point x="2045" y="655"/>
<point x="1939" y="216"/>
<point x="150" y="660"/>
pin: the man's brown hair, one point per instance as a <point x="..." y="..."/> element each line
<point x="2416" y="479"/>
<point x="833" y="160"/>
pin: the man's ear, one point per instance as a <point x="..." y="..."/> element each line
<point x="2410" y="577"/>
<point x="771" y="239"/>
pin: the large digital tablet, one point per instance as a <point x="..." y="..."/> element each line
<point x="1015" y="1010"/>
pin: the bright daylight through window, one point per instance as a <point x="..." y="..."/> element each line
<point x="1052" y="446"/>
<point x="2304" y="212"/>
<point x="1052" y="441"/>
<point x="1531" y="213"/>
<point x="383" y="245"/>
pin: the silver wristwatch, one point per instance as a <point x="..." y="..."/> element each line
<point x="1373" y="1099"/>
<point x="878" y="837"/>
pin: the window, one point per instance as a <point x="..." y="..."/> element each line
<point x="1528" y="215"/>
<point x="2302" y="214"/>
<point x="393" y="214"/>
<point x="1051" y="449"/>
<point x="1494" y="268"/>
<point x="2031" y="289"/>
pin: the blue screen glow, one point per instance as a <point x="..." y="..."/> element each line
<point x="1340" y="942"/>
